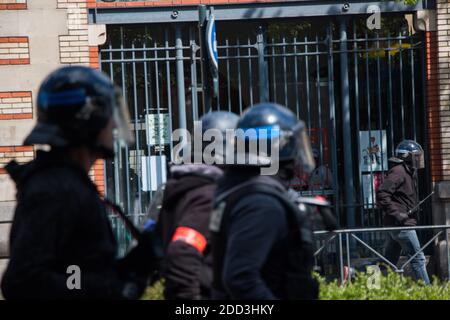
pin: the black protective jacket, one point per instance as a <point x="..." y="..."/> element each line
<point x="257" y="244"/>
<point x="397" y="195"/>
<point x="187" y="205"/>
<point x="60" y="221"/>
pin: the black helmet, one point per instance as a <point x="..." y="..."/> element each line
<point x="74" y="104"/>
<point x="274" y="125"/>
<point x="411" y="153"/>
<point x="221" y="121"/>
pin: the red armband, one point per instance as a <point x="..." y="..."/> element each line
<point x="191" y="237"/>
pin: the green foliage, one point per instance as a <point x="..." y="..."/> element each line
<point x="391" y="287"/>
<point x="154" y="292"/>
<point x="410" y="2"/>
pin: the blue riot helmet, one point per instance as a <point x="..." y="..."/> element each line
<point x="74" y="105"/>
<point x="273" y="128"/>
<point x="411" y="153"/>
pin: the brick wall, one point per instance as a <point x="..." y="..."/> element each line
<point x="21" y="154"/>
<point x="117" y="4"/>
<point x="16" y="105"/>
<point x="97" y="175"/>
<point x="432" y="90"/>
<point x="439" y="92"/>
<point x="74" y="47"/>
<point x="13" y="4"/>
<point x="14" y="50"/>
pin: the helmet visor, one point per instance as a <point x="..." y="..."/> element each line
<point x="418" y="160"/>
<point x="303" y="154"/>
<point x="121" y="117"/>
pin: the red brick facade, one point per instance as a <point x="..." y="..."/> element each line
<point x="14" y="51"/>
<point x="16" y="105"/>
<point x="433" y="112"/>
<point x="161" y="3"/>
<point x="13" y="4"/>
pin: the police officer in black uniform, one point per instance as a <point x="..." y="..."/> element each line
<point x="262" y="240"/>
<point x="184" y="214"/>
<point x="61" y="227"/>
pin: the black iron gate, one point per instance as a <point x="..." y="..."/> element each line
<point x="359" y="92"/>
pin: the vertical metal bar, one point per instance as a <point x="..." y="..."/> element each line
<point x="206" y="92"/>
<point x="319" y="111"/>
<point x="347" y="243"/>
<point x="127" y="153"/>
<point x="137" y="128"/>
<point x="158" y="107"/>
<point x="116" y="154"/>
<point x="308" y="102"/>
<point x="262" y="64"/>
<point x="285" y="73"/>
<point x="380" y="114"/>
<point x="274" y="77"/>
<point x="380" y="119"/>
<point x="169" y="87"/>
<point x="341" y="259"/>
<point x="182" y="123"/>
<point x="194" y="96"/>
<point x="346" y="125"/>
<point x="297" y="106"/>
<point x="369" y="118"/>
<point x="239" y="74"/>
<point x="228" y="74"/>
<point x="332" y="121"/>
<point x="391" y="114"/>
<point x="413" y="87"/>
<point x="250" y="74"/>
<point x="357" y="118"/>
<point x="402" y="101"/>
<point x="147" y="113"/>
<point x="448" y="253"/>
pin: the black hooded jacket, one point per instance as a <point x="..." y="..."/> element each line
<point x="397" y="195"/>
<point x="60" y="221"/>
<point x="188" y="203"/>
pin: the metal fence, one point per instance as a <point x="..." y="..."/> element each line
<point x="359" y="93"/>
<point x="344" y="254"/>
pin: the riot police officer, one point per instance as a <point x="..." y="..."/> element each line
<point x="397" y="196"/>
<point x="61" y="227"/>
<point x="262" y="241"/>
<point x="184" y="213"/>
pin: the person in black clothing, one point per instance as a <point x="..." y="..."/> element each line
<point x="262" y="240"/>
<point x="61" y="220"/>
<point x="396" y="196"/>
<point x="183" y="222"/>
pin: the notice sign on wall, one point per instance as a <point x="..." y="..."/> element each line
<point x="373" y="150"/>
<point x="158" y="128"/>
